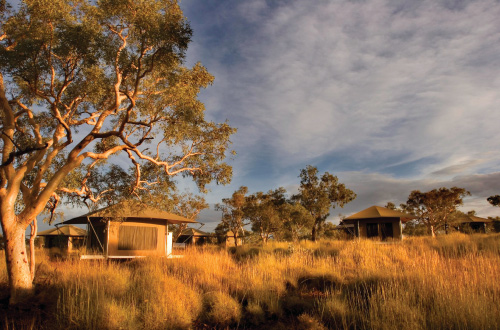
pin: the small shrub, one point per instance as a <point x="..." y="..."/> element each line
<point x="164" y="302"/>
<point x="220" y="309"/>
<point x="335" y="313"/>
<point x="308" y="322"/>
<point x="254" y="314"/>
<point x="117" y="315"/>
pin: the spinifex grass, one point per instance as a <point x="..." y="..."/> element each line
<point x="446" y="283"/>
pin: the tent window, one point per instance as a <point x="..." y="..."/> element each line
<point x="137" y="238"/>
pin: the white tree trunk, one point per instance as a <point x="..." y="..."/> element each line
<point x="433" y="232"/>
<point x="20" y="281"/>
<point x="34" y="228"/>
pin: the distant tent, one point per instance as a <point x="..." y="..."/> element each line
<point x="67" y="230"/>
<point x="231" y="240"/>
<point x="129" y="229"/>
<point x="378" y="222"/>
<point x="476" y="224"/>
<point x="194" y="236"/>
<point x="65" y="237"/>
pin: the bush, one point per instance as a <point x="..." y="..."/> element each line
<point x="220" y="309"/>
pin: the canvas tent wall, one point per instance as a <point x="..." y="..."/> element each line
<point x="378" y="223"/>
<point x="128" y="229"/>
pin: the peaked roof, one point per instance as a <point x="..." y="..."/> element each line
<point x="473" y="218"/>
<point x="130" y="211"/>
<point x="67" y="230"/>
<point x="194" y="232"/>
<point x="375" y="212"/>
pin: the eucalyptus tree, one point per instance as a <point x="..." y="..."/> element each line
<point x="319" y="194"/>
<point x="494" y="200"/>
<point x="84" y="82"/>
<point x="434" y="208"/>
<point x="264" y="212"/>
<point x="233" y="217"/>
<point x="297" y="220"/>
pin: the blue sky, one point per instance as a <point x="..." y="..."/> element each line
<point x="390" y="96"/>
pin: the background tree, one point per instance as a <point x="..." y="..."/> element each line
<point x="84" y="85"/>
<point x="233" y="217"/>
<point x="434" y="207"/>
<point x="390" y="206"/>
<point x="494" y="200"/>
<point x="495" y="225"/>
<point x="263" y="212"/>
<point x="329" y="230"/>
<point x="318" y="195"/>
<point x="297" y="220"/>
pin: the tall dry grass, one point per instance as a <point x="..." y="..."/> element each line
<point x="446" y="283"/>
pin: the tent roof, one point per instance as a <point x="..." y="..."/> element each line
<point x="194" y="232"/>
<point x="473" y="218"/>
<point x="375" y="212"/>
<point x="66" y="230"/>
<point x="130" y="211"/>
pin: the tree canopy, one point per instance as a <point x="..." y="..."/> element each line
<point x="233" y="216"/>
<point x="434" y="207"/>
<point x="494" y="200"/>
<point x="319" y="194"/>
<point x="85" y="86"/>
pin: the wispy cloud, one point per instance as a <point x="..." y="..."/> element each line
<point x="311" y="78"/>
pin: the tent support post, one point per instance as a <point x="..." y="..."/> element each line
<point x="357" y="230"/>
<point x="400" y="229"/>
<point x="107" y="238"/>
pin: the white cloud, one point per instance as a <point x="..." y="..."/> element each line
<point x="389" y="95"/>
<point x="316" y="77"/>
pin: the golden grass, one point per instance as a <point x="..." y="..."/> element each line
<point x="446" y="283"/>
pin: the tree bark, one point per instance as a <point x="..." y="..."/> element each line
<point x="34" y="228"/>
<point x="235" y="239"/>
<point x="20" y="281"/>
<point x="313" y="233"/>
<point x="433" y="232"/>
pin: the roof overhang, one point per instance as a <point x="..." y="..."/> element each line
<point x="127" y="211"/>
<point x="378" y="212"/>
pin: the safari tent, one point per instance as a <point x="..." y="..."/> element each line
<point x="476" y="224"/>
<point x="194" y="237"/>
<point x="66" y="238"/>
<point x="128" y="230"/>
<point x="233" y="241"/>
<point x="378" y="223"/>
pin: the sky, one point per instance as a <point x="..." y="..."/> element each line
<point x="390" y="96"/>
